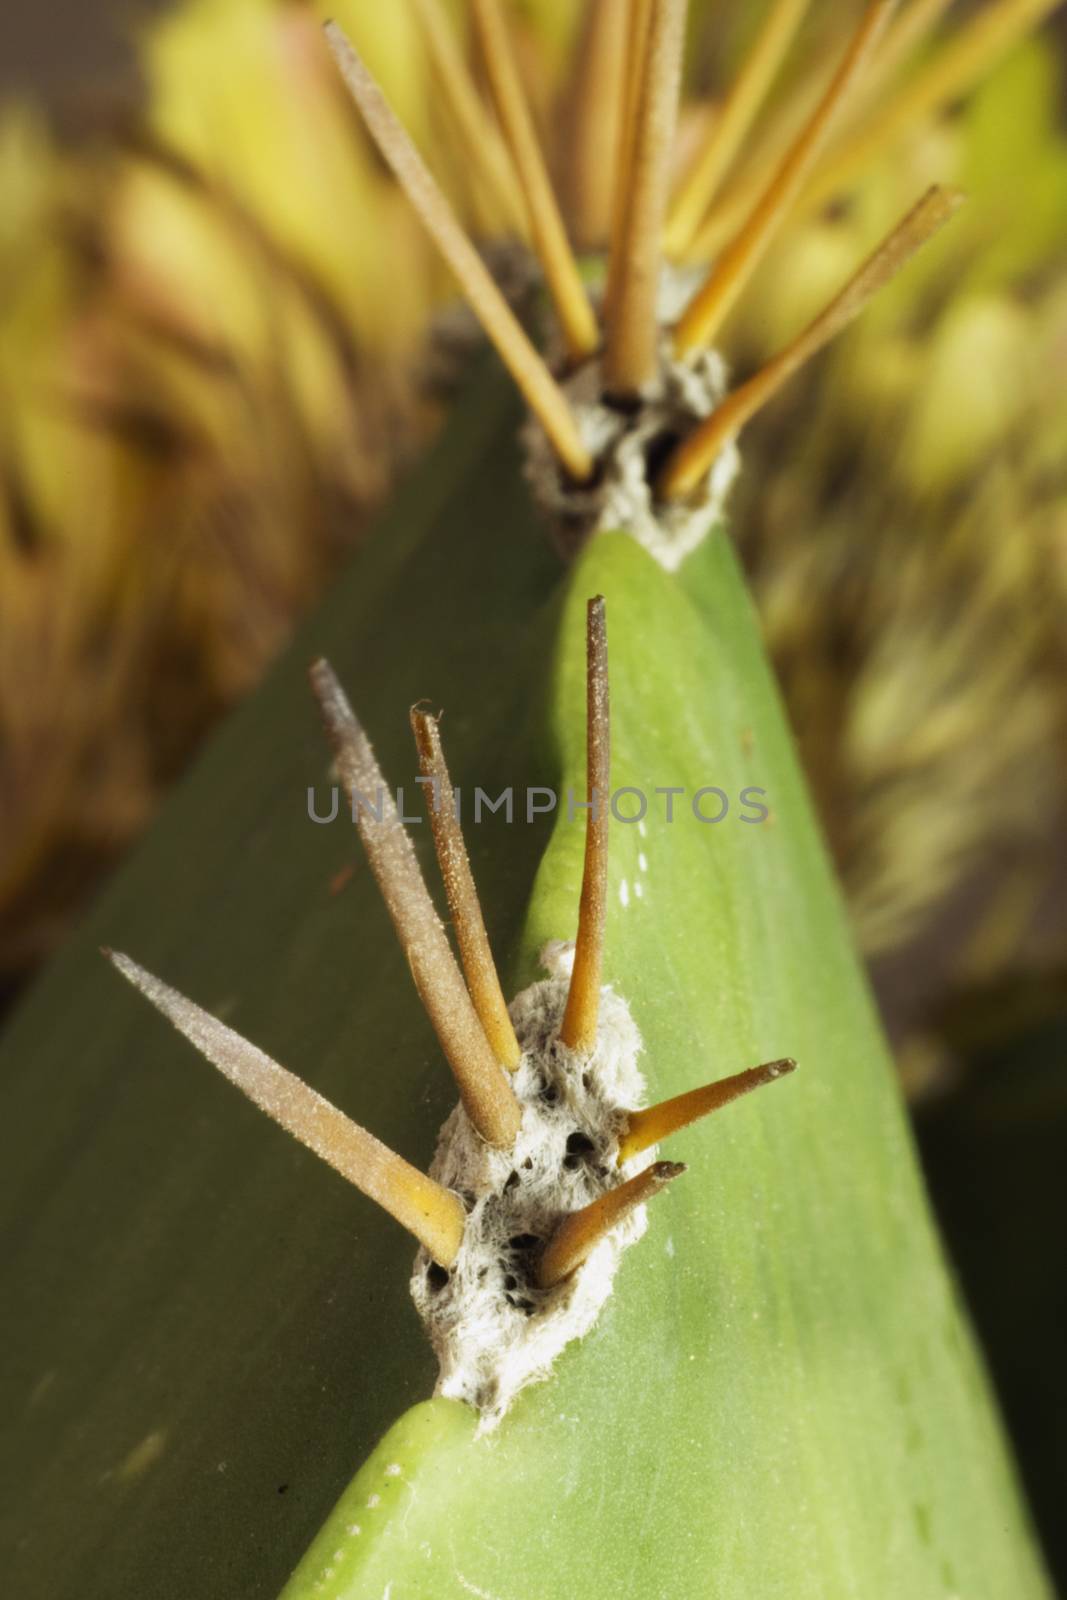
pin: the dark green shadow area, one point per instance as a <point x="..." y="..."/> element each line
<point x="207" y="1328"/>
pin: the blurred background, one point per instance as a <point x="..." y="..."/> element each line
<point x="211" y="375"/>
<point x="51" y="48"/>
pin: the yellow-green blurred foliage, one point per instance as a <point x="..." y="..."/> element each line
<point x="905" y="519"/>
<point x="212" y="316"/>
<point x="208" y="324"/>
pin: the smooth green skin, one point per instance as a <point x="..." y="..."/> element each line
<point x="779" y="1399"/>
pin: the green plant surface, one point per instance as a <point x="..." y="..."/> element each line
<point x="780" y="1399"/>
<point x="206" y="1329"/>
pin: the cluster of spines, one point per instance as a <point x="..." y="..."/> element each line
<point x="630" y="68"/>
<point x="467" y="1008"/>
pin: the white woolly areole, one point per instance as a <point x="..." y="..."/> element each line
<point x="493" y="1329"/>
<point x="621" y="499"/>
<point x="681" y="394"/>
